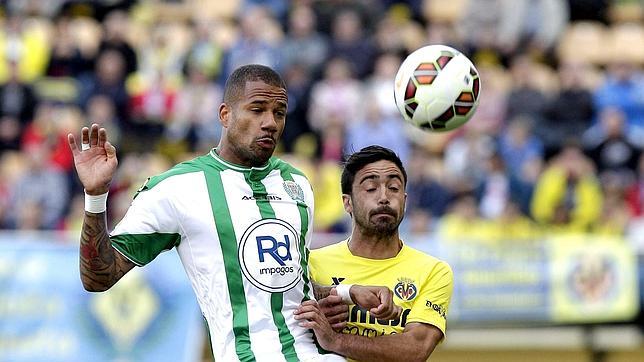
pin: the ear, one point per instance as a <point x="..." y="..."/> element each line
<point x="348" y="205"/>
<point x="405" y="202"/>
<point x="224" y="114"/>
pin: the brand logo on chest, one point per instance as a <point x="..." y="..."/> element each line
<point x="405" y="289"/>
<point x="269" y="255"/>
<point x="293" y="190"/>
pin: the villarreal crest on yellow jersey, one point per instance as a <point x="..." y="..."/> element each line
<point x="422" y="285"/>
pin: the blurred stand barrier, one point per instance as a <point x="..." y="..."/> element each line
<point x="551" y="281"/>
<point x="569" y="291"/>
<point x="46" y="315"/>
<point x="562" y="298"/>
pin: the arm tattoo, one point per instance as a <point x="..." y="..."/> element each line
<point x="100" y="265"/>
<point x="321" y="291"/>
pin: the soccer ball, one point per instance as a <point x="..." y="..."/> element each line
<point x="437" y="88"/>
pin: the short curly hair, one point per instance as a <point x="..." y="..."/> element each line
<point x="236" y="82"/>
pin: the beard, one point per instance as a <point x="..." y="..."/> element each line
<point x="381" y="226"/>
<point x="254" y="155"/>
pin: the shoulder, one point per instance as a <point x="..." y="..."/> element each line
<point x="323" y="262"/>
<point x="431" y="263"/>
<point x="332" y="250"/>
<point x="287" y="168"/>
<point x="183" y="168"/>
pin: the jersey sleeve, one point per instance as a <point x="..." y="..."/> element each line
<point x="432" y="303"/>
<point x="149" y="227"/>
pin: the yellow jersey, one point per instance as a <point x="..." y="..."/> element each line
<point x="422" y="285"/>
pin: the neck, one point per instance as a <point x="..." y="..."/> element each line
<point x="229" y="154"/>
<point x="373" y="246"/>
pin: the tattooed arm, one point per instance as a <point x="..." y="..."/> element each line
<point x="100" y="264"/>
<point x="321" y="291"/>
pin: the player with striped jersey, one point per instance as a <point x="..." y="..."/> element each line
<point x="240" y="220"/>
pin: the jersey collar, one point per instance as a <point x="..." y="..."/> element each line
<point x="403" y="250"/>
<point x="213" y="153"/>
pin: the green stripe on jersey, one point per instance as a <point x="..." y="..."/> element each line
<point x="179" y="169"/>
<point x="153" y="244"/>
<point x="228" y="242"/>
<point x="287" y="172"/>
<point x="277" y="299"/>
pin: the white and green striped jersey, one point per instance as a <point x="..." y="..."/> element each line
<point x="242" y="235"/>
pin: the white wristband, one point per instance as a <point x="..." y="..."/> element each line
<point x="344" y="292"/>
<point x="96" y="204"/>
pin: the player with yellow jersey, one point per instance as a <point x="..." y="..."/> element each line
<point x="421" y="284"/>
<point x="373" y="187"/>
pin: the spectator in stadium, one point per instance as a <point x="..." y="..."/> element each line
<point x="635" y="193"/>
<point x="206" y="54"/>
<point x="567" y="196"/>
<point x="623" y="88"/>
<point x="518" y="145"/>
<point x="194" y="114"/>
<point x="337" y="97"/>
<point x="373" y="192"/>
<point x="108" y="80"/>
<point x="257" y="41"/>
<point x="615" y="211"/>
<point x="102" y="110"/>
<point x="115" y="31"/>
<point x="499" y="188"/>
<point x="299" y="82"/>
<point x="25" y="44"/>
<point x="507" y="27"/>
<point x="377" y="127"/>
<point x="425" y="184"/>
<point x="17" y="104"/>
<point x="303" y="45"/>
<point x="66" y="59"/>
<point x="40" y="194"/>
<point x="464" y="159"/>
<point x="462" y="220"/>
<point x="379" y="85"/>
<point x="611" y="146"/>
<point x="524" y="98"/>
<point x="569" y="112"/>
<point x="348" y="41"/>
<point x="208" y="207"/>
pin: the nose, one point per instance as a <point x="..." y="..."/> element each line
<point x="269" y="123"/>
<point x="382" y="196"/>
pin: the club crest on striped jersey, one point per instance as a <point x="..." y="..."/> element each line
<point x="294" y="190"/>
<point x="405" y="289"/>
<point x="269" y="255"/>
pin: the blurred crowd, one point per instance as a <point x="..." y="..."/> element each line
<point x="555" y="145"/>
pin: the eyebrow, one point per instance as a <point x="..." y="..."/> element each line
<point x="264" y="102"/>
<point x="373" y="177"/>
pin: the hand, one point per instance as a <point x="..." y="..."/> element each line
<point x="96" y="165"/>
<point x="335" y="310"/>
<point x="311" y="317"/>
<point x="378" y="300"/>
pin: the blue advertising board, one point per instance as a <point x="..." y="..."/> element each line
<point x="45" y="314"/>
<point x="558" y="279"/>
